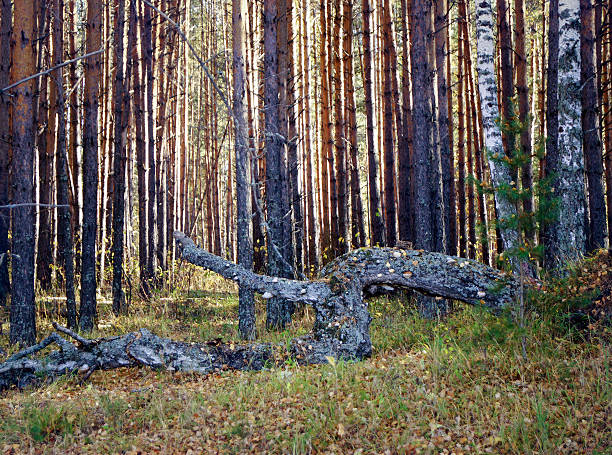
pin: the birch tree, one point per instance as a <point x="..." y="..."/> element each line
<point x="566" y="235"/>
<point x="500" y="174"/>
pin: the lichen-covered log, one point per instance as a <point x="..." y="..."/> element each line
<point x="342" y="322"/>
<point x="141" y="348"/>
<point x="341" y="328"/>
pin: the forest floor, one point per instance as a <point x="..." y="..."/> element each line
<point x="459" y="385"/>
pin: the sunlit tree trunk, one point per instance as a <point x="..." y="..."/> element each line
<point x="23" y="309"/>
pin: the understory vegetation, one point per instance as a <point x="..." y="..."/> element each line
<point x="457" y="385"/>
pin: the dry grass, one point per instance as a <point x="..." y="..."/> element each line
<point x="458" y="386"/>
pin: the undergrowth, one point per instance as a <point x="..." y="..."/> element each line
<point x="457" y="385"/>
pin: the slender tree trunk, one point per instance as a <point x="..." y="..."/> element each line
<point x="325" y="138"/>
<point x="357" y="228"/>
<point x="406" y="225"/>
<point x="506" y="71"/>
<point x="461" y="113"/>
<point x="246" y="304"/>
<point x="308" y="150"/>
<point x="444" y="138"/>
<point x="121" y="108"/>
<point x="274" y="144"/>
<point x="46" y="144"/>
<point x="147" y="54"/>
<point x="90" y="167"/>
<point x="597" y="231"/>
<point x="23" y="309"/>
<point x="73" y="123"/>
<point x="500" y="174"/>
<point x="141" y="165"/>
<point x="377" y="227"/>
<point x="523" y="105"/>
<point x="339" y="138"/>
<point x="388" y="144"/>
<point x="5" y="135"/>
<point x="66" y="244"/>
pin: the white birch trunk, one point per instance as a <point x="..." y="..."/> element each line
<point x="569" y="231"/>
<point x="500" y="174"/>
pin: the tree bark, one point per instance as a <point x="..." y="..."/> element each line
<point x="522" y="91"/>
<point x="121" y="108"/>
<point x="90" y="168"/>
<point x="377" y="227"/>
<point x="566" y="235"/>
<point x="23" y="310"/>
<point x="388" y="143"/>
<point x="444" y="138"/>
<point x="597" y="231"/>
<point x="500" y="174"/>
<point x="246" y="303"/>
<point x="6" y="16"/>
<point x="66" y="241"/>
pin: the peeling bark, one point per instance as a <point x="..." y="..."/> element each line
<point x="341" y="328"/>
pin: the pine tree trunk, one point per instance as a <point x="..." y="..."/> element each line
<point x="357" y="228"/>
<point x="325" y="138"/>
<point x="274" y="144"/>
<point x="46" y="145"/>
<point x="147" y="55"/>
<point x="522" y="91"/>
<point x="506" y="71"/>
<point x="597" y="231"/>
<point x="121" y="108"/>
<point x="90" y="168"/>
<point x="5" y="134"/>
<point x="141" y="165"/>
<point x="444" y="138"/>
<point x="461" y="113"/>
<point x="23" y="309"/>
<point x="246" y="304"/>
<point x="339" y="138"/>
<point x="66" y="242"/>
<point x="388" y="143"/>
<point x="308" y="150"/>
<point x="377" y="227"/>
<point x="405" y="225"/>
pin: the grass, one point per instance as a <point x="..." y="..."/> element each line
<point x="452" y="386"/>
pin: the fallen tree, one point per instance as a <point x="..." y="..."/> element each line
<point x="341" y="328"/>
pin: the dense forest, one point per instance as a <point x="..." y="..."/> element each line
<point x="323" y="127"/>
<point x="455" y="148"/>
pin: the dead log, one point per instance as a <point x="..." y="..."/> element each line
<point x="342" y="321"/>
<point x="341" y="328"/>
<point x="141" y="348"/>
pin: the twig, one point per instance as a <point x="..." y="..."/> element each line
<point x="33" y="204"/>
<point x="47" y="71"/>
<point x="82" y="341"/>
<point x="53" y="338"/>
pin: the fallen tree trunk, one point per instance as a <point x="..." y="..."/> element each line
<point x="141" y="348"/>
<point x="342" y="322"/>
